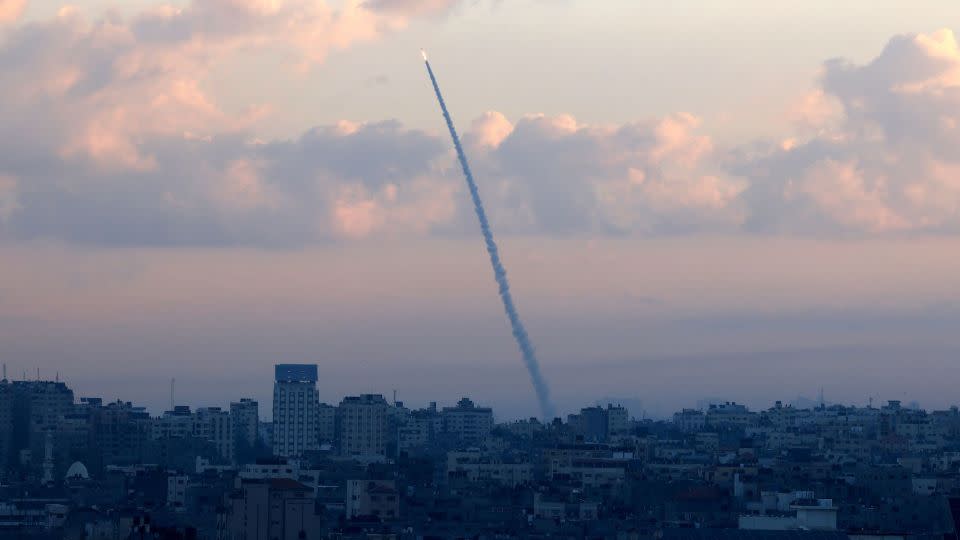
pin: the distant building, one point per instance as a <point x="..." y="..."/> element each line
<point x="295" y="404"/>
<point x="475" y="466"/>
<point x="548" y="506"/>
<point x="214" y="425"/>
<point x="326" y="423"/>
<point x="689" y="420"/>
<point x="811" y="515"/>
<point x="38" y="407"/>
<point x="245" y="415"/>
<point x="363" y="426"/>
<point x="177" y="491"/>
<point x="120" y="432"/>
<point x="730" y="415"/>
<point x="275" y="509"/>
<point x="468" y="422"/>
<point x="419" y="429"/>
<point x="598" y="424"/>
<point x="279" y="468"/>
<point x="6" y="421"/>
<point x="373" y="498"/>
<point x="174" y="424"/>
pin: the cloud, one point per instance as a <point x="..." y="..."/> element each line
<point x="11" y="10"/>
<point x="113" y="82"/>
<point x="653" y="176"/>
<point x="411" y="7"/>
<point x="876" y="148"/>
<point x="109" y="137"/>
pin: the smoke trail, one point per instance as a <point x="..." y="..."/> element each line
<point x="499" y="273"/>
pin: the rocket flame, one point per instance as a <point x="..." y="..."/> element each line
<point x="423" y="53"/>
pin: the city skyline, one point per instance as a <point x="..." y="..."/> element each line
<point x="639" y="408"/>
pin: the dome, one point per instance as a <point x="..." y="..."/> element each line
<point x="78" y="471"/>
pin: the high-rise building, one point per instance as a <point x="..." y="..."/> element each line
<point x="246" y="420"/>
<point x="363" y="426"/>
<point x="468" y="422"/>
<point x="295" y="404"/>
<point x="327" y="423"/>
<point x="214" y="425"/>
<point x="38" y="407"/>
<point x="6" y="421"/>
<point x="121" y="432"/>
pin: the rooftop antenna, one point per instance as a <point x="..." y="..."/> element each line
<point x="172" y="381"/>
<point x="38" y="373"/>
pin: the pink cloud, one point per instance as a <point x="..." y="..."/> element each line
<point x="117" y="82"/>
<point x="11" y="10"/>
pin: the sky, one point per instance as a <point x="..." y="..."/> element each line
<point x="730" y="200"/>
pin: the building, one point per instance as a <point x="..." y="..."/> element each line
<point x="121" y="432"/>
<point x="618" y="421"/>
<point x="363" y="426"/>
<point x="37" y="407"/>
<point x="6" y="421"/>
<point x="295" y="404"/>
<point x="553" y="507"/>
<point x="474" y="466"/>
<point x="280" y="468"/>
<point x="245" y="415"/>
<point x="598" y="424"/>
<point x="372" y="498"/>
<point x="690" y="420"/>
<point x="466" y="421"/>
<point x="730" y="415"/>
<point x="177" y="491"/>
<point x="209" y="425"/>
<point x="811" y="515"/>
<point x="276" y="509"/>
<point x="327" y="423"/>
<point x="215" y="425"/>
<point x="419" y="429"/>
<point x="174" y="424"/>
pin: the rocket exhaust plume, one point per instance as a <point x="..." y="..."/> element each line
<point x="499" y="273"/>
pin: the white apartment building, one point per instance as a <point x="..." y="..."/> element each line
<point x="467" y="421"/>
<point x="295" y="405"/>
<point x="363" y="426"/>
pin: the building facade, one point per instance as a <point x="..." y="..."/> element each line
<point x="363" y="426"/>
<point x="245" y="415"/>
<point x="468" y="422"/>
<point x="295" y="404"/>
